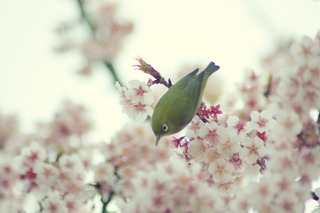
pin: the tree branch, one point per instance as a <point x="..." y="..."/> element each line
<point x="148" y="69"/>
<point x="84" y="17"/>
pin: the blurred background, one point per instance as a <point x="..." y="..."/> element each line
<point x="35" y="78"/>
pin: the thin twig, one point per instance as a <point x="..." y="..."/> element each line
<point x="107" y="202"/>
<point x="267" y="92"/>
<point x="84" y="16"/>
<point x="113" y="72"/>
<point x="148" y="69"/>
<point x="92" y="28"/>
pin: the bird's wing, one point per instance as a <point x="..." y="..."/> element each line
<point x="187" y="97"/>
<point x="194" y="89"/>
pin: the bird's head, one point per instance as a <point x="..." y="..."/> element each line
<point x="160" y="131"/>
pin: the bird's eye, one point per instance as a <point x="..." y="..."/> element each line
<point x="165" y="128"/>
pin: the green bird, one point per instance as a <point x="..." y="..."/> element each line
<point x="179" y="104"/>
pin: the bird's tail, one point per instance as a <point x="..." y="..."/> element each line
<point x="205" y="74"/>
<point x="210" y="69"/>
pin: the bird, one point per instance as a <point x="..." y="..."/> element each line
<point x="176" y="108"/>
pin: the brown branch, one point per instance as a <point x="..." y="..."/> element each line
<point x="148" y="69"/>
<point x="267" y="92"/>
<point x="84" y="16"/>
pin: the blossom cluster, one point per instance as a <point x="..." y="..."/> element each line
<point x="260" y="154"/>
<point x="104" y="42"/>
<point x="58" y="170"/>
<point x="130" y="151"/>
<point x="46" y="171"/>
<point x="137" y="100"/>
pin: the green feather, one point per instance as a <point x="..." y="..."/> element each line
<point x="179" y="104"/>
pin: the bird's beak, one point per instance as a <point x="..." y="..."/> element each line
<point x="158" y="137"/>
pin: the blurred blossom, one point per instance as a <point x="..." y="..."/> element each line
<point x="306" y="51"/>
<point x="197" y="149"/>
<point x="107" y="36"/>
<point x="8" y="128"/>
<point x="172" y="187"/>
<point x="67" y="128"/>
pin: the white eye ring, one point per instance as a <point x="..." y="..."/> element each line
<point x="165" y="128"/>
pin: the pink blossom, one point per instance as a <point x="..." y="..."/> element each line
<point x="287" y="202"/>
<point x="104" y="42"/>
<point x="54" y="204"/>
<point x="206" y="113"/>
<point x="253" y="148"/>
<point x="138" y="91"/>
<point x="8" y="128"/>
<point x="71" y="164"/>
<point x="263" y="191"/>
<point x="237" y="125"/>
<point x="212" y="154"/>
<point x="305" y="51"/>
<point x="229" y="145"/>
<point x="204" y="202"/>
<point x="47" y="175"/>
<point x="262" y="121"/>
<point x="177" y="142"/>
<point x="263" y="136"/>
<point x="193" y="128"/>
<point x="283" y="162"/>
<point x="221" y="170"/>
<point x="29" y="178"/>
<point x="33" y="154"/>
<point x="241" y="203"/>
<point x="136" y="100"/>
<point x="211" y="133"/>
<point x="309" y="163"/>
<point x="215" y="111"/>
<point x="197" y="149"/>
<point x="104" y="172"/>
<point x="289" y="124"/>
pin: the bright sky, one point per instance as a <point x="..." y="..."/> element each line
<point x="168" y="34"/>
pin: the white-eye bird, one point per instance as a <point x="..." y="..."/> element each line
<point x="179" y="104"/>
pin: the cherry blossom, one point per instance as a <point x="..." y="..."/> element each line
<point x="137" y="100"/>
<point x="103" y="43"/>
<point x="237" y="125"/>
<point x="257" y="152"/>
<point x="229" y="145"/>
<point x="192" y="130"/>
<point x="221" y="170"/>
<point x="305" y="51"/>
<point x="104" y="172"/>
<point x="254" y="149"/>
<point x="33" y="154"/>
<point x="197" y="149"/>
<point x="71" y="164"/>
<point x="211" y="133"/>
<point x="261" y="121"/>
<point x="289" y="124"/>
<point x="54" y="204"/>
